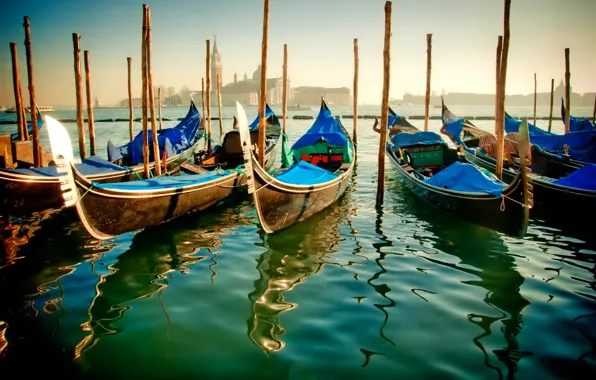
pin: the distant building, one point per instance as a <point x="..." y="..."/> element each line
<point x="306" y="95"/>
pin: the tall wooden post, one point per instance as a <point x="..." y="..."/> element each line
<point x="208" y="89"/>
<point x="32" y="102"/>
<point x="385" y="105"/>
<point x="552" y="94"/>
<point x="429" y="48"/>
<point x="284" y="100"/>
<point x="144" y="92"/>
<point x="89" y="103"/>
<point x="535" y="95"/>
<point x="502" y="87"/>
<point x="18" y="101"/>
<point x="567" y="91"/>
<point x="159" y="106"/>
<point x="355" y="102"/>
<point x="23" y="114"/>
<point x="203" y="101"/>
<point x="156" y="156"/>
<point x="594" y="114"/>
<point x="498" y="75"/>
<point x="130" y="113"/>
<point x="76" y="40"/>
<point x="219" y="106"/>
<point x="263" y="100"/>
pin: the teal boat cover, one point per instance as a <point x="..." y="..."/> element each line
<point x="582" y="178"/>
<point x="325" y="128"/>
<point x="419" y="138"/>
<point x="305" y="173"/>
<point x="467" y="178"/>
<point x="164" y="182"/>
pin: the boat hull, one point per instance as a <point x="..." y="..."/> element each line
<point x="506" y="215"/>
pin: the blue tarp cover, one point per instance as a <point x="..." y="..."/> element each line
<point x="419" y="138"/>
<point x="466" y="177"/>
<point x="164" y="182"/>
<point x="268" y="113"/>
<point x="455" y="128"/>
<point x="325" y="127"/>
<point x="304" y="173"/>
<point x="512" y="125"/>
<point x="575" y="124"/>
<point x="391" y="119"/>
<point x="15" y="135"/>
<point x="88" y="166"/>
<point x="582" y="178"/>
<point x="173" y="140"/>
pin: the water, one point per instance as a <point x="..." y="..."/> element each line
<point x="401" y="291"/>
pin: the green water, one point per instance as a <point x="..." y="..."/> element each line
<point x="398" y="292"/>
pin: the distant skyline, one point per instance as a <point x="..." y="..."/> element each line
<point x="319" y="35"/>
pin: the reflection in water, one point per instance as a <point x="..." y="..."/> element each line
<point x="484" y="254"/>
<point x="292" y="255"/>
<point x="142" y="271"/>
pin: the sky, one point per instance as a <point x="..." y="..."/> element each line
<point x="319" y="34"/>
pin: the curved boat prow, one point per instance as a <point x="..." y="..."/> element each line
<point x="244" y="132"/>
<point x="525" y="162"/>
<point x="63" y="157"/>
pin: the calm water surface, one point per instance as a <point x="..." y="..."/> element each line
<point x="400" y="291"/>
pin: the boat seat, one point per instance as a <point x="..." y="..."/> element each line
<point x="231" y="145"/>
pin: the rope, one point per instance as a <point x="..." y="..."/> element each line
<point x="131" y="170"/>
<point x="89" y="189"/>
<point x="513" y="200"/>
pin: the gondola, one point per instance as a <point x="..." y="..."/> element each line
<point x="576" y="124"/>
<point x="23" y="191"/>
<point x="110" y="209"/>
<point x="436" y="173"/>
<point x="560" y="189"/>
<point x="318" y="174"/>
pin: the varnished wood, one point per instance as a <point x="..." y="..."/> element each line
<point x="76" y="40"/>
<point x="89" y="103"/>
<point x="263" y="94"/>
<point x="385" y="105"/>
<point x="16" y="80"/>
<point x="156" y="157"/>
<point x="32" y="100"/>
<point x="144" y="93"/>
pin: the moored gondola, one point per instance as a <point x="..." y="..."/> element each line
<point x="23" y="191"/>
<point x="107" y="210"/>
<point x="320" y="171"/>
<point x="436" y="173"/>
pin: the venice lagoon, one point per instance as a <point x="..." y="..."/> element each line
<point x="357" y="291"/>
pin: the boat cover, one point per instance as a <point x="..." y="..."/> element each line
<point x="305" y="173"/>
<point x="173" y="140"/>
<point x="326" y="128"/>
<point x="467" y="178"/>
<point x="268" y="114"/>
<point x="575" y="124"/>
<point x="512" y="125"/>
<point x="89" y="166"/>
<point x="15" y="136"/>
<point x="164" y="182"/>
<point x="582" y="178"/>
<point x="404" y="139"/>
<point x="455" y="128"/>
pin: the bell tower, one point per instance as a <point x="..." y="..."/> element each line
<point x="215" y="71"/>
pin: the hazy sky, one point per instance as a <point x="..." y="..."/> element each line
<point x="319" y="34"/>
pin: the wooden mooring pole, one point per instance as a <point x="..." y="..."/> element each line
<point x="76" y="40"/>
<point x="385" y="105"/>
<point x="23" y="114"/>
<point x="156" y="156"/>
<point x="429" y="48"/>
<point x="130" y="112"/>
<point x="552" y="94"/>
<point x="502" y="88"/>
<point x="284" y="99"/>
<point x="159" y="106"/>
<point x="567" y="91"/>
<point x="208" y="90"/>
<point x="498" y="75"/>
<point x="18" y="101"/>
<point x="535" y="96"/>
<point x="355" y="101"/>
<point x="219" y="107"/>
<point x="144" y="92"/>
<point x="263" y="100"/>
<point x="32" y="101"/>
<point x="89" y="103"/>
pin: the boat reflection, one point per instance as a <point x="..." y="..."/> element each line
<point x="482" y="253"/>
<point x="292" y="255"/>
<point x="142" y="270"/>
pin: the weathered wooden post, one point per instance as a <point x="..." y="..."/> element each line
<point x="502" y="83"/>
<point x="284" y="100"/>
<point x="567" y="91"/>
<point x="552" y="94"/>
<point x="23" y="114"/>
<point x="355" y="101"/>
<point x="76" y="40"/>
<point x="130" y="113"/>
<point x="18" y="101"/>
<point x="208" y="89"/>
<point x="144" y="92"/>
<point x="32" y="102"/>
<point x="156" y="156"/>
<point x="385" y="105"/>
<point x="535" y="95"/>
<point x="219" y="106"/>
<point x="594" y="114"/>
<point x="263" y="100"/>
<point x="203" y="101"/>
<point x="89" y="103"/>
<point x="159" y="106"/>
<point x="429" y="49"/>
<point x="498" y="75"/>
